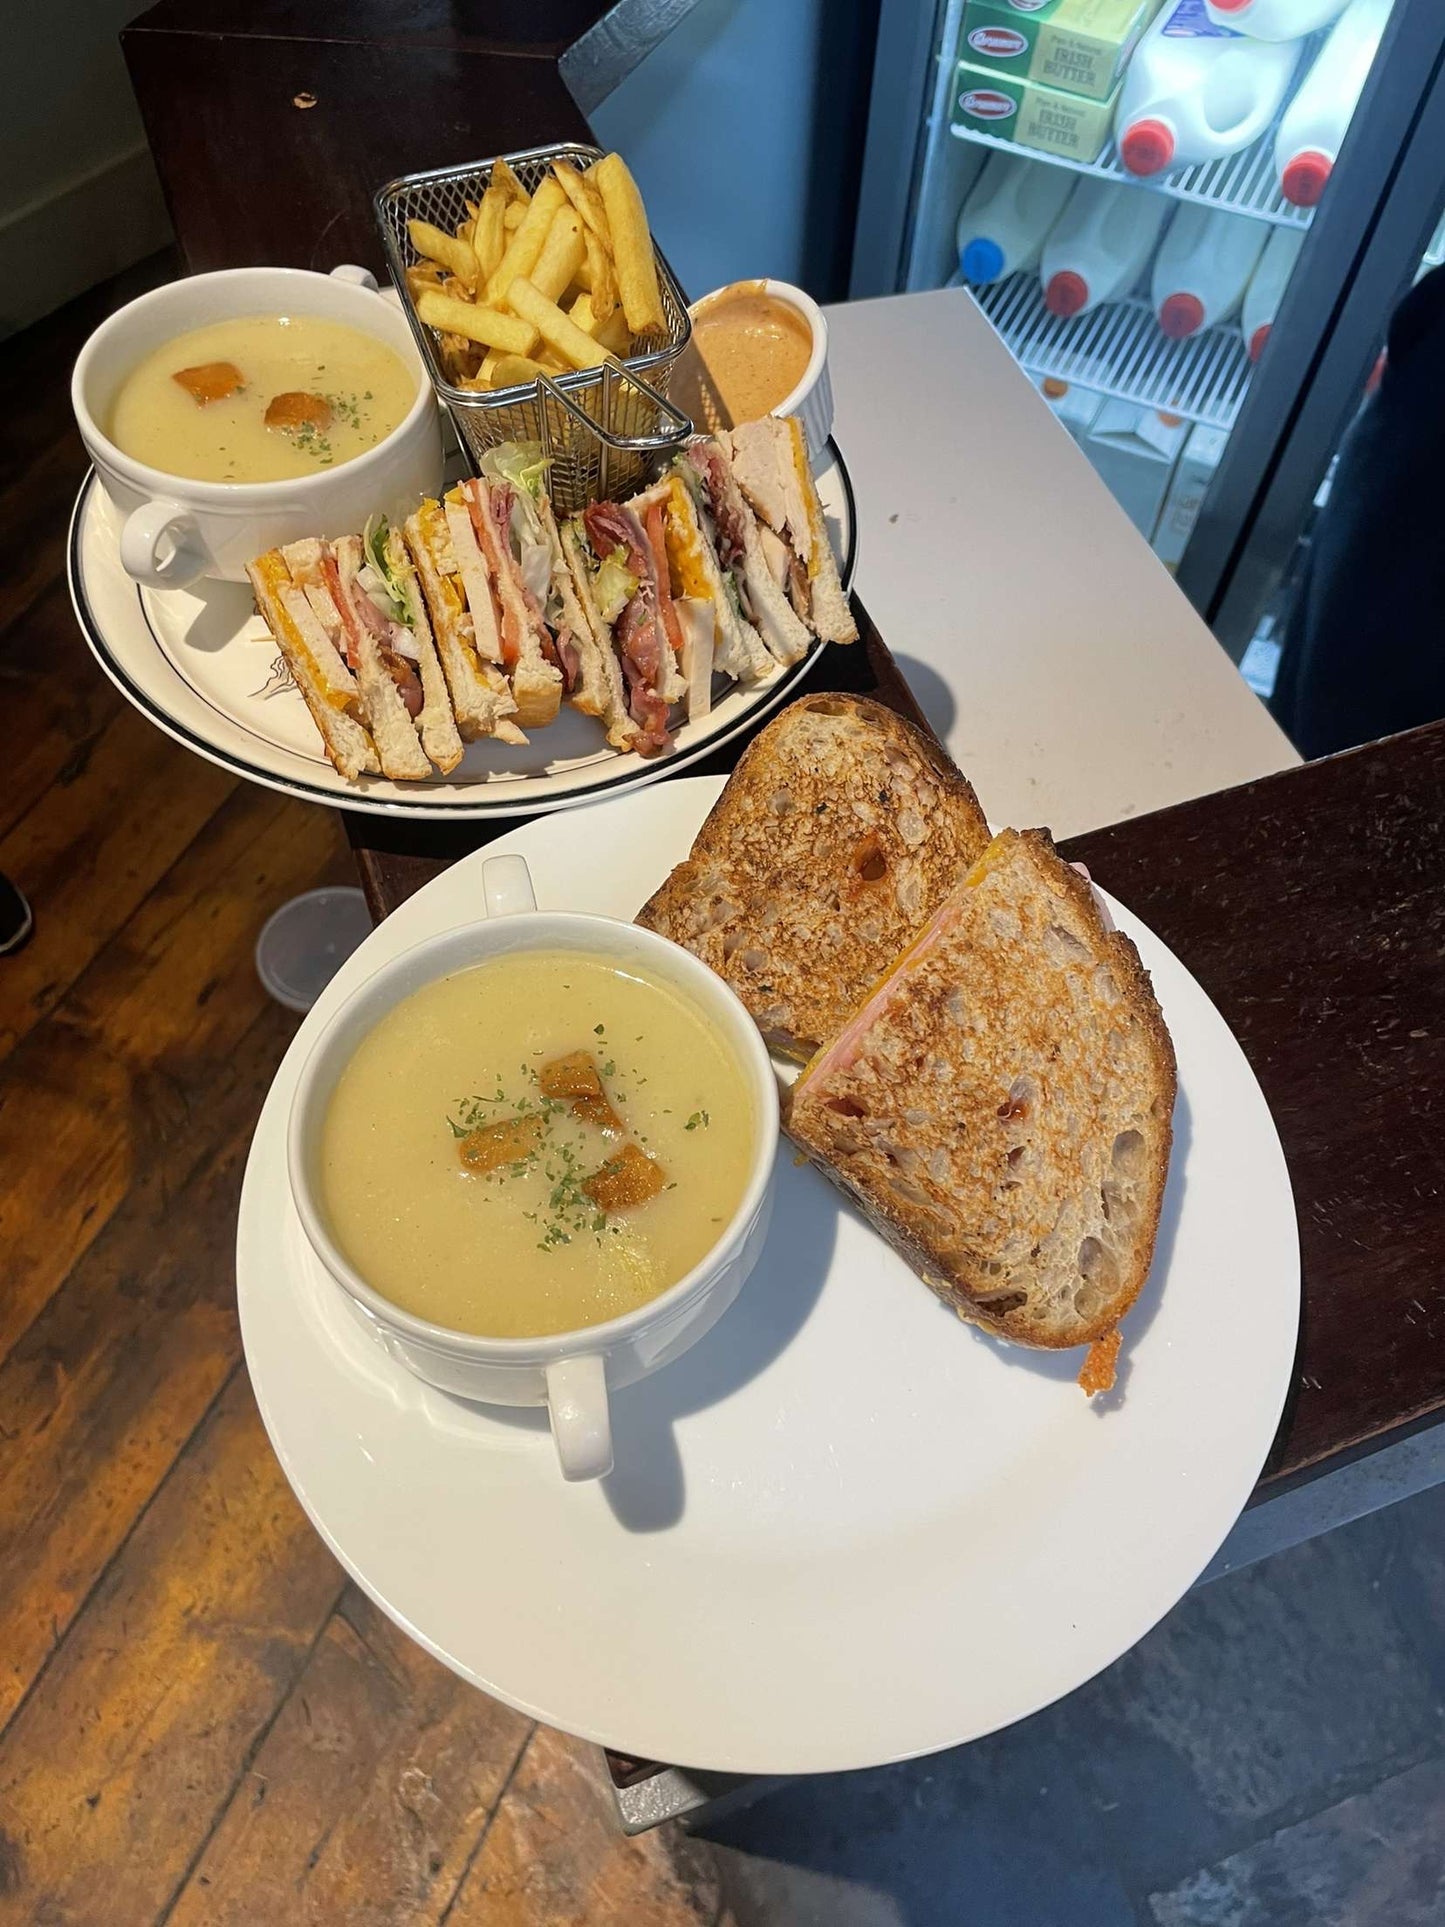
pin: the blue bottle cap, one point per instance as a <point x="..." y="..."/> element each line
<point x="981" y="260"/>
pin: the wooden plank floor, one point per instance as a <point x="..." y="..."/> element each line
<point x="200" y="1719"/>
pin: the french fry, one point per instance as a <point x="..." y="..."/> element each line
<point x="489" y="233"/>
<point x="421" y="275"/>
<point x="561" y="254"/>
<point x="601" y="277"/>
<point x="526" y="244"/>
<point x="515" y="371"/>
<point x="577" y="349"/>
<point x="631" y="244"/>
<point x="453" y="253"/>
<point x="503" y="177"/>
<point x="459" y="356"/>
<point x="581" y="315"/>
<point x="614" y="334"/>
<point x="474" y="323"/>
<point x="584" y="197"/>
<point x="611" y="334"/>
<point x="513" y="218"/>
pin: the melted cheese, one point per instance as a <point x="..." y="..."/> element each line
<point x="278" y="579"/>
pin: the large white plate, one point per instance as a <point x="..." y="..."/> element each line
<point x="197" y="661"/>
<point x="845" y="1528"/>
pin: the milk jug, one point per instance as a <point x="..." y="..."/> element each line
<point x="1203" y="267"/>
<point x="1308" y="142"/>
<point x="1275" y="19"/>
<point x="1267" y="285"/>
<point x="1098" y="247"/>
<point x="1195" y="91"/>
<point x="1002" y="224"/>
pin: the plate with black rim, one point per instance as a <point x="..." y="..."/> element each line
<point x="201" y="665"/>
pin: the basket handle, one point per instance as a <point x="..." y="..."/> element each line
<point x="679" y="425"/>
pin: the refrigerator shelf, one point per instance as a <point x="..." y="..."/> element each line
<point x="1243" y="183"/>
<point x="1118" y="350"/>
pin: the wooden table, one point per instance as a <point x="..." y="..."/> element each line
<point x="1310" y="905"/>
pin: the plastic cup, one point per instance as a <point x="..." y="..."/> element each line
<point x="304" y="943"/>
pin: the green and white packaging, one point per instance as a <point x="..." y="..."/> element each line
<point x="1079" y="46"/>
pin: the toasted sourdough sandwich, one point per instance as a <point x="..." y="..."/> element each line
<point x="1000" y="1104"/>
<point x="840" y="832"/>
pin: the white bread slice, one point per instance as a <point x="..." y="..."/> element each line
<point x="770" y="462"/>
<point x="1000" y="1103"/>
<point x="436" y="725"/>
<point x="536" y="683"/>
<point x="481" y="700"/>
<point x="601" y="691"/>
<point x="476" y="576"/>
<point x="326" y="684"/>
<point x="785" y="635"/>
<point x="738" y="650"/>
<point x="392" y="729"/>
<point x="829" y="612"/>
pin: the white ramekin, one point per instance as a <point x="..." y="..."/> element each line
<point x="812" y="400"/>
<point x="175" y="530"/>
<point x="572" y="1372"/>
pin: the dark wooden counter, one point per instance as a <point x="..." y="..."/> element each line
<point x="1311" y="907"/>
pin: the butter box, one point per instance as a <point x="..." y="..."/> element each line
<point x="1044" y="118"/>
<point x="1079" y="46"/>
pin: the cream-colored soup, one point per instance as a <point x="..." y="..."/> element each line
<point x="456" y="1079"/>
<point x="199" y="405"/>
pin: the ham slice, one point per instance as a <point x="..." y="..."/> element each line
<point x="356" y="609"/>
<point x="639" y="636"/>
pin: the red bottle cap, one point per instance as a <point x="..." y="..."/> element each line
<point x="1147" y="147"/>
<point x="1181" y="315"/>
<point x="1231" y="6"/>
<point x="1066" y="293"/>
<point x="1303" y="180"/>
<point x="1257" y="341"/>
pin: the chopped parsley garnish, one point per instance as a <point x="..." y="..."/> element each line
<point x="500" y="1136"/>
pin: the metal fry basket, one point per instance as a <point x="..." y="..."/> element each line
<point x="603" y="428"/>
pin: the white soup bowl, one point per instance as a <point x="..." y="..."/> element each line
<point x="571" y="1373"/>
<point x="175" y="530"/>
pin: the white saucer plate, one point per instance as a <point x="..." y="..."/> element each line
<point x="201" y="665"/>
<point x="844" y="1528"/>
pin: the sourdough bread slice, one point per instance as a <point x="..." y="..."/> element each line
<point x="1000" y="1104"/>
<point x="839" y="833"/>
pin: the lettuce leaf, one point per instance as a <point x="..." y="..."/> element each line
<point x="615" y="585"/>
<point x="524" y="467"/>
<point x="374" y="540"/>
<point x="521" y="463"/>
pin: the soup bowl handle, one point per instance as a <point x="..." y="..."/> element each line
<point x="357" y="277"/>
<point x="143" y="553"/>
<point x="507" y="886"/>
<point x="581" y="1424"/>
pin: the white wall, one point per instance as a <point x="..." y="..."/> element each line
<point x="79" y="198"/>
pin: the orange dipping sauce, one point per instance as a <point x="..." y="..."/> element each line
<point x="749" y="350"/>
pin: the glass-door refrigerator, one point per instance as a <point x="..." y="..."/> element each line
<point x="1189" y="220"/>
